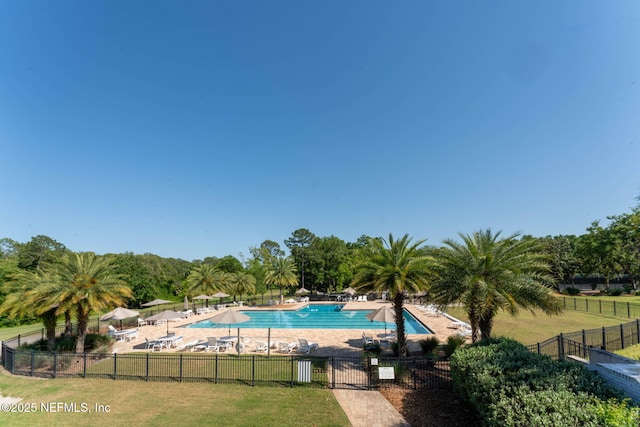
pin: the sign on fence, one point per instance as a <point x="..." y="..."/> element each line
<point x="304" y="371"/>
<point x="386" y="373"/>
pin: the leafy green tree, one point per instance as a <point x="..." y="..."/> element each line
<point x="298" y="244"/>
<point x="137" y="274"/>
<point x="327" y="258"/>
<point x="599" y="252"/>
<point x="40" y="251"/>
<point x="397" y="267"/>
<point x="486" y="273"/>
<point x="85" y="282"/>
<point x="625" y="232"/>
<point x="282" y="273"/>
<point x="563" y="260"/>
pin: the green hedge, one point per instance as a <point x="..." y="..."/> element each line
<point x="511" y="386"/>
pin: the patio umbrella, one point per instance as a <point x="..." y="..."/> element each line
<point x="384" y="314"/>
<point x="205" y="297"/>
<point x="220" y="295"/>
<point x="166" y="315"/>
<point x="230" y="317"/>
<point x="350" y="291"/>
<point x="119" y="313"/>
<point x="302" y="291"/>
<point x="156" y="302"/>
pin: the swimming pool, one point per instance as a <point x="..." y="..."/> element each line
<point x="316" y="316"/>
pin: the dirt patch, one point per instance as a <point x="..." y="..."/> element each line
<point x="432" y="408"/>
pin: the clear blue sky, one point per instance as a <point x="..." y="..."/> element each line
<point x="201" y="128"/>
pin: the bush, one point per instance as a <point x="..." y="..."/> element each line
<point x="615" y="292"/>
<point x="372" y="349"/>
<point x="511" y="386"/>
<point x="571" y="291"/>
<point x="453" y="343"/>
<point x="429" y="345"/>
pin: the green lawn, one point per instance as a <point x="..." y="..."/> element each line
<point x="530" y="329"/>
<point x="169" y="404"/>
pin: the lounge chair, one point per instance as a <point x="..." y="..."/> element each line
<point x="261" y="346"/>
<point x="112" y="329"/>
<point x="367" y="339"/>
<point x="189" y="345"/>
<point x="132" y="335"/>
<point x="285" y="347"/>
<point x="306" y="347"/>
<point x="212" y="344"/>
<point x="142" y="322"/>
<point x="152" y="345"/>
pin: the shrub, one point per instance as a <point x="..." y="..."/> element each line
<point x="429" y="345"/>
<point x="615" y="292"/>
<point x="571" y="291"/>
<point x="511" y="386"/>
<point x="453" y="343"/>
<point x="372" y="349"/>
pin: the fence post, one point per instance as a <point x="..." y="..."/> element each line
<point x="215" y="381"/>
<point x="575" y="304"/>
<point x="586" y="301"/>
<point x="560" y="346"/>
<point x="584" y="338"/>
<point x="628" y="310"/>
<point x="604" y="339"/>
<point x="622" y="335"/>
<point x="291" y="371"/>
<point x="600" y="304"/>
<point x="18" y="340"/>
<point x="538" y="345"/>
<point x="84" y="367"/>
<point x="181" y="366"/>
<point x="115" y="366"/>
<point x="253" y="370"/>
<point x="55" y="364"/>
<point x="615" y="312"/>
<point x="333" y="372"/>
<point x="638" y="330"/>
<point x="33" y="361"/>
<point x="147" y="360"/>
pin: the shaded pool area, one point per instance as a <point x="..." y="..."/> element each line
<point x="316" y="316"/>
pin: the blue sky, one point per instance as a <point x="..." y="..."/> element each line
<point x="201" y="128"/>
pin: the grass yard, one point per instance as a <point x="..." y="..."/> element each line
<point x="530" y="329"/>
<point x="169" y="404"/>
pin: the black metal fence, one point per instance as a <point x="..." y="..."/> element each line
<point x="610" y="338"/>
<point x="614" y="308"/>
<point x="255" y="370"/>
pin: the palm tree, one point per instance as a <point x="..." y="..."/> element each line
<point x="30" y="294"/>
<point x="282" y="273"/>
<point x="486" y="273"/>
<point x="206" y="279"/>
<point x="87" y="283"/>
<point x="397" y="267"/>
<point x="241" y="283"/>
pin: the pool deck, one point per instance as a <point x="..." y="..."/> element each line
<point x="332" y="342"/>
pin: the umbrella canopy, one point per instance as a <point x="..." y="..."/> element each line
<point x="119" y="313"/>
<point x="156" y="302"/>
<point x="384" y="314"/>
<point x="302" y="291"/>
<point x="220" y="295"/>
<point x="202" y="297"/>
<point x="166" y="315"/>
<point x="230" y="317"/>
<point x="350" y="291"/>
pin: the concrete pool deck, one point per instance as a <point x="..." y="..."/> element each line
<point x="332" y="342"/>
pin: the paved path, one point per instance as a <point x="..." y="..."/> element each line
<point x="369" y="409"/>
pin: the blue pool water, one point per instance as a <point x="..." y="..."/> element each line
<point x="316" y="316"/>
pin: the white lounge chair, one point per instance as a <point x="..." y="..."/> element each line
<point x="367" y="339"/>
<point x="112" y="329"/>
<point x="188" y="345"/>
<point x="142" y="322"/>
<point x="306" y="347"/>
<point x="286" y="347"/>
<point x="152" y="345"/>
<point x="261" y="346"/>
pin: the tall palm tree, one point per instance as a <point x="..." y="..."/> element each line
<point x="87" y="283"/>
<point x="282" y="273"/>
<point x="486" y="273"/>
<point x="241" y="283"/>
<point x="206" y="279"/>
<point x="397" y="267"/>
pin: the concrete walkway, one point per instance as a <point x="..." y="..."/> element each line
<point x="369" y="409"/>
